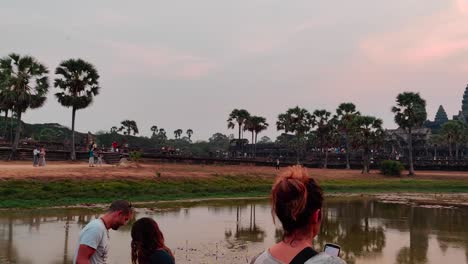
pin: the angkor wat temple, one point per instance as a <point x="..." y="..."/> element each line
<point x="396" y="139"/>
<point x="441" y="116"/>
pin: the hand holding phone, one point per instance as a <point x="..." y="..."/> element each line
<point x="332" y="249"/>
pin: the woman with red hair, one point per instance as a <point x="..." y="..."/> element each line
<point x="297" y="202"/>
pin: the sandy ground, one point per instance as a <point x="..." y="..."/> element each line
<point x="75" y="170"/>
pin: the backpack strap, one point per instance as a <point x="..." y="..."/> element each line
<point x="306" y="254"/>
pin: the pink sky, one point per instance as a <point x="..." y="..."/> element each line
<point x="187" y="65"/>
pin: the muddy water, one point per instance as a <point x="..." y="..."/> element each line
<point x="368" y="231"/>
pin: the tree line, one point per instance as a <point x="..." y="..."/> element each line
<point x="364" y="133"/>
<point x="24" y="85"/>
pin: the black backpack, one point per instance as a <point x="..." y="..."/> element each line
<point x="306" y="254"/>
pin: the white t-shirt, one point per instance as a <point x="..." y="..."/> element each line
<point x="95" y="235"/>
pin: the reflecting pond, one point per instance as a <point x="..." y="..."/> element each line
<point x="232" y="231"/>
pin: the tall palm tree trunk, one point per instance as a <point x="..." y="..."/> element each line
<point x="5" y="129"/>
<point x="252" y="144"/>
<point x="348" y="166"/>
<point x="325" y="164"/>
<point x="73" y="153"/>
<point x="450" y="149"/>
<point x="410" y="155"/>
<point x="14" y="148"/>
<point x="364" y="162"/>
<point x="255" y="146"/>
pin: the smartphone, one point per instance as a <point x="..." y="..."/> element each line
<point x="332" y="249"/>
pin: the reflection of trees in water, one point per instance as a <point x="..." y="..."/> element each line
<point x="347" y="224"/>
<point x="419" y="230"/>
<point x="449" y="226"/>
<point x="447" y="222"/>
<point x="8" y="249"/>
<point x="244" y="233"/>
<point x="33" y="221"/>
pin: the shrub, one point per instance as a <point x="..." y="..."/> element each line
<point x="391" y="167"/>
<point x="135" y="156"/>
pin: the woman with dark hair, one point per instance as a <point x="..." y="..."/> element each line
<point x="297" y="202"/>
<point x="148" y="244"/>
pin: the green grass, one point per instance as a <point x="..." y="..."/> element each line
<point x="40" y="193"/>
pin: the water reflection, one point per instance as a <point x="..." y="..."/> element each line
<point x="232" y="231"/>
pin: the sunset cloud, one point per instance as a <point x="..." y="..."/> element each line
<point x="162" y="62"/>
<point x="439" y="38"/>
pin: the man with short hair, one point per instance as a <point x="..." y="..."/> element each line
<point x="93" y="242"/>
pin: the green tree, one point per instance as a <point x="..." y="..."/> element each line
<point x="297" y="121"/>
<point x="79" y="82"/>
<point x="345" y="114"/>
<point x="129" y="126"/>
<point x="178" y="133"/>
<point x="219" y="142"/>
<point x="25" y="85"/>
<point x="410" y="112"/>
<point x="259" y="125"/>
<point x="154" y="129"/>
<point x="454" y="132"/>
<point x="5" y="106"/>
<point x="326" y="132"/>
<point x="368" y="134"/>
<point x="238" y="116"/>
<point x="114" y="129"/>
<point x="189" y="134"/>
<point x="162" y="135"/>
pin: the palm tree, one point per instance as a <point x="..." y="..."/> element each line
<point x="189" y="134"/>
<point x="249" y="126"/>
<point x="345" y="114"/>
<point x="238" y="116"/>
<point x="326" y="132"/>
<point x="410" y="112"/>
<point x="129" y="126"/>
<point x="178" y="133"/>
<point x="454" y="133"/>
<point x="25" y="86"/>
<point x="79" y="82"/>
<point x="162" y="133"/>
<point x="368" y="134"/>
<point x="5" y="106"/>
<point x="298" y="121"/>
<point x="257" y="124"/>
<point x="154" y="129"/>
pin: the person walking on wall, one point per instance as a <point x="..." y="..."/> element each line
<point x="91" y="157"/>
<point x="36" y="156"/>
<point x="42" y="157"/>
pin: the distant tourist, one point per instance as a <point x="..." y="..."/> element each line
<point x="297" y="202"/>
<point x="36" y="153"/>
<point x="91" y="157"/>
<point x="99" y="158"/>
<point x="114" y="146"/>
<point x="94" y="238"/>
<point x="42" y="155"/>
<point x="277" y="164"/>
<point x="148" y="243"/>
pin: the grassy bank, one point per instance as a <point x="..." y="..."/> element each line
<point x="39" y="193"/>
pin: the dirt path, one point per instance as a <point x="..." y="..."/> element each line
<point x="74" y="170"/>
